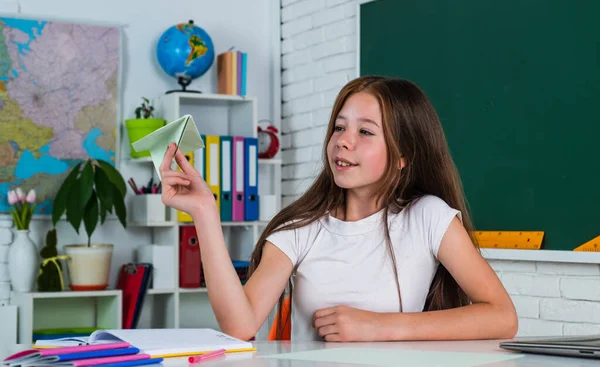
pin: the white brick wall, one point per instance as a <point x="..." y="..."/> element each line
<point x="318" y="57"/>
<point x="553" y="298"/>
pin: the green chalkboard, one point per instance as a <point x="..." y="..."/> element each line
<point x="516" y="84"/>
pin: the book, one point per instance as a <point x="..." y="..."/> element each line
<point x="164" y="343"/>
<point x="82" y="355"/>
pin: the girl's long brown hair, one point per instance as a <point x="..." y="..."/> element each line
<point x="412" y="131"/>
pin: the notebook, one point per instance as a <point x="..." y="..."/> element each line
<point x="80" y="356"/>
<point x="163" y="343"/>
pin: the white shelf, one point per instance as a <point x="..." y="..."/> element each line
<point x="212" y="97"/>
<point x="233" y="224"/>
<point x="269" y="161"/>
<point x="193" y="290"/>
<point x="139" y="160"/>
<point x="184" y="224"/>
<point x="100" y="309"/>
<point x="161" y="291"/>
<point x="219" y="115"/>
<point x="152" y="224"/>
<point x="145" y="160"/>
<point x="71" y="294"/>
<point x="542" y="255"/>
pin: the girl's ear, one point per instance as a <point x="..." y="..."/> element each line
<point x="402" y="163"/>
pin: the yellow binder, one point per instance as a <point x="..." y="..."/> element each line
<point x="182" y="216"/>
<point x="213" y="172"/>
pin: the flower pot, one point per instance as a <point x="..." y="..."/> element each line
<point x="22" y="262"/>
<point x="137" y="129"/>
<point x="88" y="267"/>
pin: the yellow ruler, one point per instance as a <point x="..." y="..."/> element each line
<point x="523" y="240"/>
<point x="592" y="245"/>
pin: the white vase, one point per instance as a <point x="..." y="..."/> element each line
<point x="22" y="262"/>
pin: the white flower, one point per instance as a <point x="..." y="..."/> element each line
<point x="20" y="194"/>
<point x="12" y="197"/>
<point x="30" y="196"/>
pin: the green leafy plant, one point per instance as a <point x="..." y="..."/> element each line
<point x="90" y="192"/>
<point x="145" y="109"/>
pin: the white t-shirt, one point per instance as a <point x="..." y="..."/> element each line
<point x="347" y="263"/>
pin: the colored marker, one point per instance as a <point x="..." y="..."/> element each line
<point x="203" y="357"/>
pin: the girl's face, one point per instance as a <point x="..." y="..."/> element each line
<point x="356" y="151"/>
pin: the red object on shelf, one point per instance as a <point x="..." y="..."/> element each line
<point x="190" y="263"/>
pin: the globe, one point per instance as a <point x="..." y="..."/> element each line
<point x="185" y="51"/>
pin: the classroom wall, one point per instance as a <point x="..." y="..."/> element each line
<point x="553" y="298"/>
<point x="242" y="24"/>
<point x="318" y="50"/>
<point x="318" y="56"/>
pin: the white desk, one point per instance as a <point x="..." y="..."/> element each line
<point x="253" y="359"/>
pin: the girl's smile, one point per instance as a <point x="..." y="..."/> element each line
<point x="343" y="165"/>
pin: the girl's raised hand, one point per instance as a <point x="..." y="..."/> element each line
<point x="186" y="190"/>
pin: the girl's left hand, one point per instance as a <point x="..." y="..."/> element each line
<point x="345" y="324"/>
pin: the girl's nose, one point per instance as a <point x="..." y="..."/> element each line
<point x="345" y="140"/>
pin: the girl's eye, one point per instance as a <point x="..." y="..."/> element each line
<point x="366" y="132"/>
<point x="338" y="128"/>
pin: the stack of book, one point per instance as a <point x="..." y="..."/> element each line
<point x="231" y="73"/>
<point x="122" y="347"/>
<point x="117" y="354"/>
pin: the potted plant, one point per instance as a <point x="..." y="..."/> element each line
<point x="92" y="189"/>
<point x="143" y="124"/>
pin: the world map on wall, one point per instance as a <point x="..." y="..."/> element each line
<point x="58" y="102"/>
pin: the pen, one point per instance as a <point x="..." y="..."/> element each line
<point x="200" y="358"/>
<point x="133" y="186"/>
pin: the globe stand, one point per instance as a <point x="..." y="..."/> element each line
<point x="184" y="82"/>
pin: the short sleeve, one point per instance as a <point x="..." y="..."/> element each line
<point x="286" y="240"/>
<point x="436" y="217"/>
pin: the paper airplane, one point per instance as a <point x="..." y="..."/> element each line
<point x="182" y="131"/>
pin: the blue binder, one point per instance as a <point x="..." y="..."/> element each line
<point x="251" y="178"/>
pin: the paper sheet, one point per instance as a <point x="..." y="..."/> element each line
<point x="397" y="357"/>
<point x="182" y="131"/>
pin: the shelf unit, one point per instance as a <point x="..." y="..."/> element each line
<point x="43" y="310"/>
<point x="214" y="114"/>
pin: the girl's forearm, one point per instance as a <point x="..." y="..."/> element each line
<point x="476" y="321"/>
<point x="225" y="291"/>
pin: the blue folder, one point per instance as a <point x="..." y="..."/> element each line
<point x="97" y="354"/>
<point x="251" y="178"/>
<point x="138" y="362"/>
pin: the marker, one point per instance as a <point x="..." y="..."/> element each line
<point x="202" y="357"/>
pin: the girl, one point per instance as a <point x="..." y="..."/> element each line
<point x="379" y="248"/>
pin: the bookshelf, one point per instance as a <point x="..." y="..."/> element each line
<point x="66" y="309"/>
<point x="214" y="114"/>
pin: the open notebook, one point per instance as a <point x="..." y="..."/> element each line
<point x="161" y="343"/>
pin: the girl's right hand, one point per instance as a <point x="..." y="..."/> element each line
<point x="185" y="191"/>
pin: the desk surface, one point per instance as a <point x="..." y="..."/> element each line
<point x="253" y="359"/>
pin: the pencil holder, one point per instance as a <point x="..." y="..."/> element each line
<point x="148" y="208"/>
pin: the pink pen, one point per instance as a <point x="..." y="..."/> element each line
<point x="203" y="357"/>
